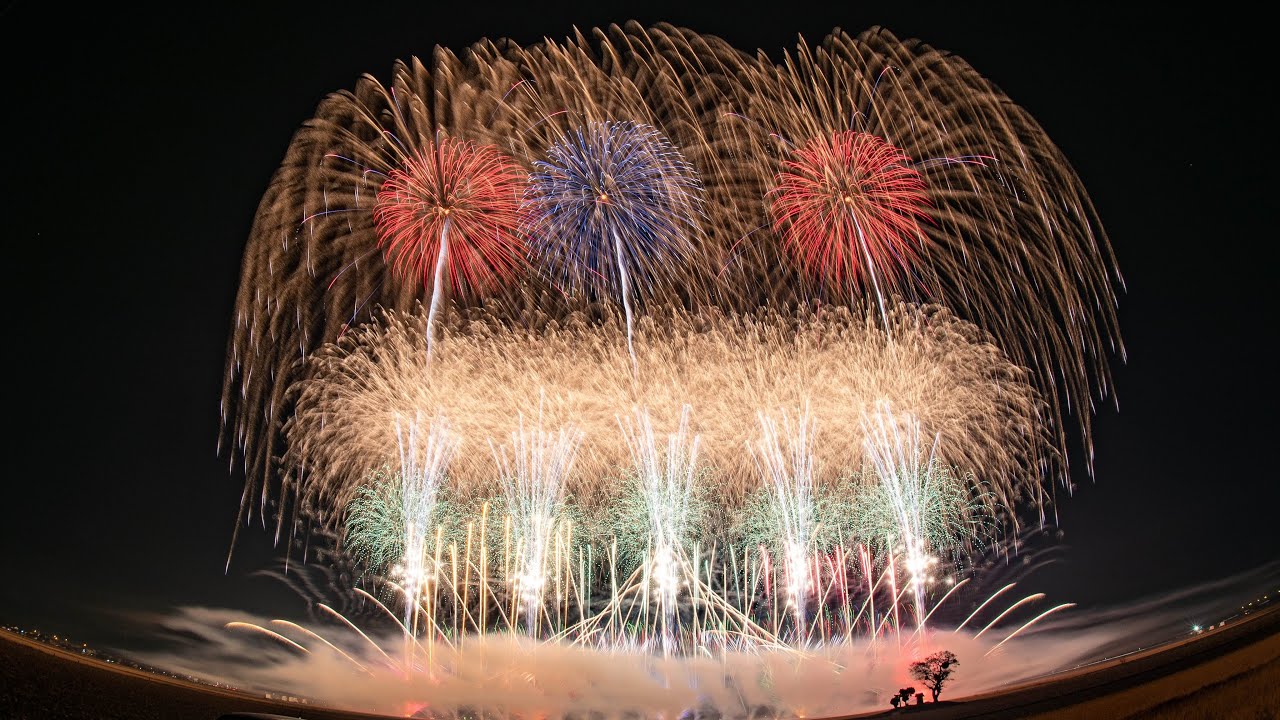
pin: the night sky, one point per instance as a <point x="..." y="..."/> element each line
<point x="137" y="148"/>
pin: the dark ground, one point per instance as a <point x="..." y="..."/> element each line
<point x="41" y="683"/>
<point x="1204" y="673"/>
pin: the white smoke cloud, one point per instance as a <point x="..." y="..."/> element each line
<point x="502" y="675"/>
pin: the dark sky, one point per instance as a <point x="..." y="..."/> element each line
<point x="138" y="146"/>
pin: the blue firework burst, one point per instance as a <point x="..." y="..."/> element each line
<point x="614" y="210"/>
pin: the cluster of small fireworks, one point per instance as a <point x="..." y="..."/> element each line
<point x="674" y="583"/>
<point x="637" y="562"/>
<point x="798" y="339"/>
<point x="837" y="363"/>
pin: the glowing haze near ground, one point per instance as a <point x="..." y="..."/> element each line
<point x="508" y="675"/>
<point x="646" y="349"/>
<point x="504" y="674"/>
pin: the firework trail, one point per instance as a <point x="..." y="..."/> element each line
<point x="455" y="206"/>
<point x="614" y="209"/>
<point x="918" y="505"/>
<point x="394" y="520"/>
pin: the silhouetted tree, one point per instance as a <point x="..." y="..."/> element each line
<point x="935" y="670"/>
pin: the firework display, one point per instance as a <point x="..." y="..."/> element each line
<point x="1007" y="237"/>
<point x="639" y="341"/>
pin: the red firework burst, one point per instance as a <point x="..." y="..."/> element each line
<point x="460" y="193"/>
<point x="848" y="207"/>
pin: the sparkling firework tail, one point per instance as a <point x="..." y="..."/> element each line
<point x="1028" y="624"/>
<point x="393" y="521"/>
<point x="784" y="457"/>
<point x="978" y="609"/>
<point x="268" y="633"/>
<point x="1034" y="597"/>
<point x="330" y="646"/>
<point x="625" y="283"/>
<point x="848" y="209"/>
<point x="437" y="287"/>
<point x="533" y="471"/>
<point x="666" y="481"/>
<point x="904" y="465"/>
